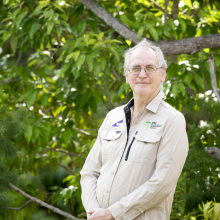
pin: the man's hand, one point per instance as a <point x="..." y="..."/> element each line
<point x="100" y="214"/>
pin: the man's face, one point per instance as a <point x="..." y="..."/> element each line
<point x="144" y="84"/>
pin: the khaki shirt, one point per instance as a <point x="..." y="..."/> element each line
<point x="135" y="175"/>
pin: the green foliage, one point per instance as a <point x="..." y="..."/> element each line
<point x="11" y="129"/>
<point x="178" y="210"/>
<point x="202" y="171"/>
<point x="211" y="210"/>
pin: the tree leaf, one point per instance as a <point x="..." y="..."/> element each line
<point x="174" y="90"/>
<point x="14" y="42"/>
<point x="188" y="78"/>
<point x="44" y="99"/>
<point x="67" y="135"/>
<point x="22" y="97"/>
<point x="183" y="24"/>
<point x="140" y="32"/>
<point x="199" y="81"/>
<point x="50" y="25"/>
<point x="28" y="133"/>
<point x="31" y="98"/>
<point x="172" y="70"/>
<point x="89" y="62"/>
<point x="81" y="26"/>
<point x="35" y="133"/>
<point x="6" y="35"/>
<point x="5" y="2"/>
<point x="76" y="55"/>
<point x="182" y="88"/>
<point x="20" y="17"/>
<point x="217" y="211"/>
<point x="154" y="34"/>
<point x="33" y="30"/>
<point x="69" y="56"/>
<point x="80" y="60"/>
<point x="171" y="23"/>
<point x="65" y="67"/>
<point x="139" y="11"/>
<point x="206" y="209"/>
<point x="149" y="24"/>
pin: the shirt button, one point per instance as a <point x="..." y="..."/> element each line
<point x="171" y="158"/>
<point x="107" y="191"/>
<point x="113" y="172"/>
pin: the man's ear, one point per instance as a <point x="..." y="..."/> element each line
<point x="126" y="76"/>
<point x="163" y="74"/>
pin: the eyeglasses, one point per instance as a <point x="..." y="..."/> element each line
<point x="148" y="70"/>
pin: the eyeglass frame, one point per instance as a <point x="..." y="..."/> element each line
<point x="156" y="68"/>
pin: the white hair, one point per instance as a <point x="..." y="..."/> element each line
<point x="146" y="44"/>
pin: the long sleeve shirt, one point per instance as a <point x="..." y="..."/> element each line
<point x="134" y="171"/>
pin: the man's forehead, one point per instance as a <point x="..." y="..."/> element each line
<point x="147" y="63"/>
<point x="143" y="55"/>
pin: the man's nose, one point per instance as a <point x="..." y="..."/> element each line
<point x="142" y="73"/>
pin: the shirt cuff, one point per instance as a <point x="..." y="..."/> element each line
<point x="118" y="214"/>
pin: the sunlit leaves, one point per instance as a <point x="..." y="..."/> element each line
<point x="182" y="24"/>
<point x="50" y="25"/>
<point x="80" y="60"/>
<point x="154" y="34"/>
<point x="28" y="133"/>
<point x="140" y="32"/>
<point x="199" y="81"/>
<point x="20" y="17"/>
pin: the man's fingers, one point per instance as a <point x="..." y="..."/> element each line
<point x="91" y="211"/>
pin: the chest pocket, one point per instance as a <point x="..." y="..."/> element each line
<point x="111" y="143"/>
<point x="145" y="147"/>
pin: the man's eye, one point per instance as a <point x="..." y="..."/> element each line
<point x="136" y="69"/>
<point x="150" y="68"/>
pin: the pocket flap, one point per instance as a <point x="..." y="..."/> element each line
<point x="148" y="137"/>
<point x="111" y="135"/>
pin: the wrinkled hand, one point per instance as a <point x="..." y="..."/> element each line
<point x="100" y="214"/>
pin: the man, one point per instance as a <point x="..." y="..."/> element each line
<point x="132" y="170"/>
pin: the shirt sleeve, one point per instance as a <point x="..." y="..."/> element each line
<point x="90" y="174"/>
<point x="171" y="156"/>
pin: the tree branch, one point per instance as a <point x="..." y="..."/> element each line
<point x="119" y="27"/>
<point x="61" y="151"/>
<point x="184" y="46"/>
<point x="44" y="204"/>
<point x="213" y="152"/>
<point x="166" y="11"/>
<point x="66" y="168"/>
<point x="24" y="205"/>
<point x="116" y="75"/>
<point x="211" y="62"/>
<point x="199" y="9"/>
<point x="156" y="5"/>
<point x="111" y="106"/>
<point x="10" y="80"/>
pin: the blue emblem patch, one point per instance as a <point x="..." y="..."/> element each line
<point x="117" y="124"/>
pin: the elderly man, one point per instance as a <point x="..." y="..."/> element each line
<point x="132" y="170"/>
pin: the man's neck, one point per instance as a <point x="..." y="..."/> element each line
<point x="141" y="102"/>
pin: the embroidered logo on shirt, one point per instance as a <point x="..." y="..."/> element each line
<point x="118" y="124"/>
<point x="148" y="124"/>
<point x="152" y="125"/>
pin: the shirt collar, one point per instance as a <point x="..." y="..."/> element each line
<point x="129" y="105"/>
<point x="154" y="104"/>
